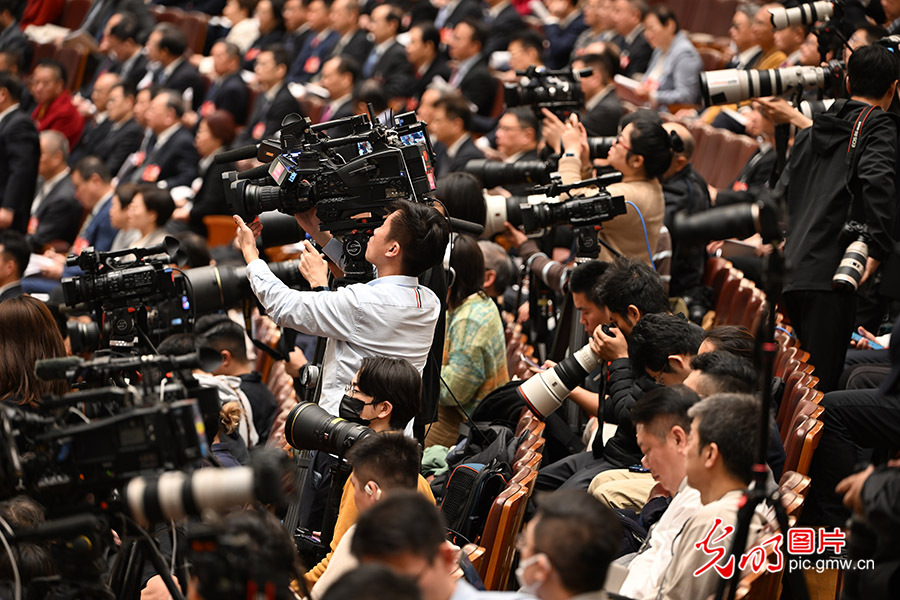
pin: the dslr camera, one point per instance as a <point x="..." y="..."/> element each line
<point x="557" y="91"/>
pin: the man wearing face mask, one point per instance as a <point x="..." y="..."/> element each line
<point x="565" y="550"/>
<point x="384" y="395"/>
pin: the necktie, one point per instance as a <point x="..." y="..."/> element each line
<point x="369" y="67"/>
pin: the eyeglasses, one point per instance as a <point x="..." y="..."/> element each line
<point x="620" y="142"/>
<point x="351" y="390"/>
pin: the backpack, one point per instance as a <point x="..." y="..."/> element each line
<point x="484" y="445"/>
<point x="471" y="490"/>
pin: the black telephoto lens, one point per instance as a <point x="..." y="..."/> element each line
<point x="310" y="427"/>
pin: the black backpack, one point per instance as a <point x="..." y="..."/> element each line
<point x="471" y="490"/>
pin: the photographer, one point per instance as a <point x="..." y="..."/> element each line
<point x="391" y="316"/>
<point x="841" y="171"/>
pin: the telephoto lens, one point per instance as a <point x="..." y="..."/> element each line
<point x="310" y="427"/>
<point x="545" y="392"/>
<point x="852" y="267"/>
<point x="805" y="14"/>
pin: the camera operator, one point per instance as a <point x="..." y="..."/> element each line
<point x="392" y="315"/>
<point x="685" y="190"/>
<point x="382" y="465"/>
<point x="384" y="395"/>
<point x="841" y="170"/>
<point x="628" y="290"/>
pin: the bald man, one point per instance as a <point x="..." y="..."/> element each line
<point x="685" y="191"/>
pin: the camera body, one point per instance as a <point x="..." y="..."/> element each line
<point x="557" y="91"/>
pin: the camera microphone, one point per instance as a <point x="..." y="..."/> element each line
<point x="51" y="369"/>
<point x="462" y="226"/>
<point x="242" y="153"/>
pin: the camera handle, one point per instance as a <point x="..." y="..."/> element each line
<point x="764" y="351"/>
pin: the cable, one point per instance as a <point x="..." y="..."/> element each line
<point x="174" y="547"/>
<point x="646" y="237"/>
<point x="468" y="418"/>
<point x="12" y="558"/>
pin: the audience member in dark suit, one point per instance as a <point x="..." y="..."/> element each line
<point x="123" y="134"/>
<point x="387" y="62"/>
<point x="470" y="74"/>
<point x="97" y="125"/>
<point x="276" y="102"/>
<point x="518" y="134"/>
<point x="20" y="152"/>
<point x="603" y="109"/>
<point x="757" y="170"/>
<point x="101" y="11"/>
<point x="228" y="91"/>
<point x="563" y="32"/>
<point x="214" y="134"/>
<point x="504" y="22"/>
<point x="11" y="36"/>
<point x="317" y="46"/>
<point x="423" y="53"/>
<point x="450" y="126"/>
<point x="93" y="189"/>
<point x="123" y="41"/>
<point x="353" y="41"/>
<point x="171" y="159"/>
<point x="455" y="12"/>
<point x="14" y="257"/>
<point x="296" y="30"/>
<point x="339" y="77"/>
<point x="55" y="213"/>
<point x="166" y="45"/>
<point x="628" y="16"/>
<point x="271" y="29"/>
<point x="55" y="109"/>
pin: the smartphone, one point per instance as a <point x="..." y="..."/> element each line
<point x="608" y="329"/>
<point x="530" y="362"/>
<point x="872" y="345"/>
<point x="638" y="469"/>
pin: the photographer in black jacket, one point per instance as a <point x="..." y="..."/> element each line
<point x="841" y="171"/>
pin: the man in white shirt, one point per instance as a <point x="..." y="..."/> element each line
<point x="391" y="316"/>
<point x="661" y="420"/>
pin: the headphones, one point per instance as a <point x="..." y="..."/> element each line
<point x="373" y="490"/>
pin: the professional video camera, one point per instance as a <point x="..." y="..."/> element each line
<point x="540" y="209"/>
<point x="350" y="179"/>
<point x="730" y="86"/>
<point x="134" y="293"/>
<point x="557" y="91"/>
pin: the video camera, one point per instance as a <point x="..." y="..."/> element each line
<point x="557" y="91"/>
<point x="131" y="292"/>
<point x="350" y="178"/>
<point x="731" y="86"/>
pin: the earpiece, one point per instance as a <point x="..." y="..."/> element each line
<point x="373" y="490"/>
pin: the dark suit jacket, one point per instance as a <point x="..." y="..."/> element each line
<point x="210" y="200"/>
<point x="119" y="142"/>
<point x="20" y="151"/>
<point x="358" y="46"/>
<point x="134" y="72"/>
<point x="100" y="233"/>
<point x="261" y="43"/>
<point x="438" y="67"/>
<point x="445" y="164"/>
<point x="231" y="95"/>
<point x="175" y="162"/>
<point x="92" y="136"/>
<point x="394" y="71"/>
<point x="183" y="77"/>
<point x="466" y="8"/>
<point x="313" y="53"/>
<point x="266" y="117"/>
<point x="58" y="217"/>
<point x="480" y="87"/>
<point x="507" y="24"/>
<point x="603" y="119"/>
<point x="562" y="40"/>
<point x="12" y="292"/>
<point x="635" y="56"/>
<point x="13" y="40"/>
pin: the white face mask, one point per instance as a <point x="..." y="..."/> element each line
<point x="525" y="587"/>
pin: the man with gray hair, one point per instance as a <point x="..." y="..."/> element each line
<point x="55" y="213"/>
<point x="499" y="269"/>
<point x="720" y="457"/>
